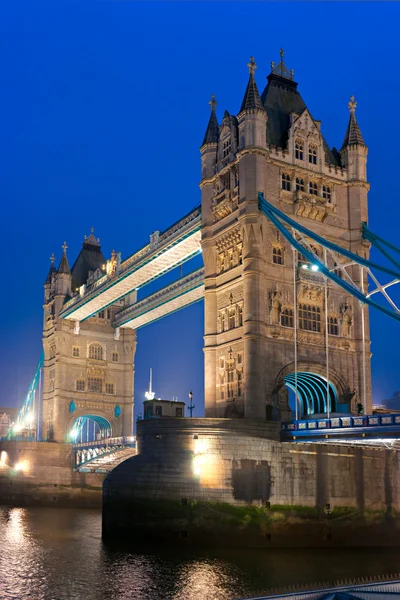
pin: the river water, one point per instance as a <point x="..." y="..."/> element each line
<point x="57" y="554"/>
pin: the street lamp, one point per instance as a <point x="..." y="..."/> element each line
<point x="191" y="406"/>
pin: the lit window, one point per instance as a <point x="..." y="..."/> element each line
<point x="303" y="261"/>
<point x="326" y="192"/>
<point x="239" y="382"/>
<point x="226" y="150"/>
<point x="309" y="317"/>
<point x="230" y="391"/>
<point x="313" y="188"/>
<point x="312" y="155"/>
<point x="80" y="385"/>
<point x="333" y="328"/>
<point x="277" y="255"/>
<point x="110" y="388"/>
<point x="299" y="150"/>
<point x="101" y="314"/>
<point x="222" y="392"/>
<point x="96" y="352"/>
<point x="115" y="357"/>
<point x="75" y="351"/>
<point x="299" y="184"/>
<point x="285" y="182"/>
<point x="287" y="317"/>
<point x="95" y="384"/>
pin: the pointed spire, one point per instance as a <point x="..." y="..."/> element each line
<point x="353" y="135"/>
<point x="251" y="100"/>
<point x="64" y="266"/>
<point x="212" y="131"/>
<point x="52" y="269"/>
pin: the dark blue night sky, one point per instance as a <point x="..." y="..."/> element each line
<point x="103" y="108"/>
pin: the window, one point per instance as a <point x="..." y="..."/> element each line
<point x="299" y="184"/>
<point x="110" y="388"/>
<point x="240" y="253"/>
<point x="309" y="317"/>
<point x="108" y="313"/>
<point x="286" y="182"/>
<point x="80" y="385"/>
<point x="221" y="262"/>
<point x="95" y="384"/>
<point x="231" y="376"/>
<point x="239" y="382"/>
<point x="312" y="155"/>
<point x="96" y="351"/>
<point x="287" y="317"/>
<point x="221" y="363"/>
<point x="333" y="328"/>
<point x="313" y="188"/>
<point x="158" y="411"/>
<point x="230" y="391"/>
<point x="299" y="150"/>
<point x="240" y="315"/>
<point x="115" y="357"/>
<point x="52" y="351"/>
<point x="226" y="150"/>
<point x="231" y="318"/>
<point x="240" y="358"/>
<point x="326" y="192"/>
<point x="178" y="412"/>
<point x="75" y="351"/>
<point x="277" y="255"/>
<point x="101" y="314"/>
<point x="222" y="393"/>
<point x="230" y="258"/>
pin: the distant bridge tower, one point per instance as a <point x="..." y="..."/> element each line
<point x="88" y="367"/>
<point x="256" y="287"/>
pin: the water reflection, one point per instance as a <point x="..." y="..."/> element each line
<point x="57" y="554"/>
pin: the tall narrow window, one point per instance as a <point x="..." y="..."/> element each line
<point x="110" y="389"/>
<point x="286" y="182"/>
<point x="240" y="315"/>
<point x="277" y="255"/>
<point x="226" y="150"/>
<point x="96" y="352"/>
<point x="312" y="155"/>
<point x="240" y="253"/>
<point x="309" y="317"/>
<point x="239" y="382"/>
<point x="299" y="184"/>
<point x="231" y="318"/>
<point x="313" y="188"/>
<point x="326" y="192"/>
<point x="299" y="150"/>
<point x="75" y="351"/>
<point x="115" y="357"/>
<point x="80" y="385"/>
<point x="333" y="328"/>
<point x="108" y="313"/>
<point x="221" y="363"/>
<point x="287" y="317"/>
<point x="101" y="314"/>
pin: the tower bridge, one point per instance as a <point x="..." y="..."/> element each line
<point x="286" y="282"/>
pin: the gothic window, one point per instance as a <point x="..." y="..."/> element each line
<point x="221" y="363"/>
<point x="223" y="320"/>
<point x="230" y="258"/>
<point x="110" y="388"/>
<point x="303" y="261"/>
<point x="240" y="315"/>
<point x="115" y="357"/>
<point x="231" y="318"/>
<point x="333" y="328"/>
<point x="277" y="255"/>
<point x="240" y="253"/>
<point x="75" y="351"/>
<point x="101" y="314"/>
<point x="240" y="358"/>
<point x="312" y="155"/>
<point x="80" y="385"/>
<point x="239" y="382"/>
<point x="309" y="317"/>
<point x="96" y="351"/>
<point x="230" y="391"/>
<point x="231" y="376"/>
<point x="326" y="192"/>
<point x="313" y="188"/>
<point x="299" y="184"/>
<point x="222" y="392"/>
<point x="221" y="262"/>
<point x="287" y="317"/>
<point x="299" y="150"/>
<point x="226" y="148"/>
<point x="95" y="384"/>
<point x="286" y="182"/>
<point x="108" y="313"/>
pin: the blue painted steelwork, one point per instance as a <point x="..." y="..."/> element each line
<point x="103" y="423"/>
<point x="313" y="389"/>
<point x="31" y="403"/>
<point x="380" y="244"/>
<point x="278" y="219"/>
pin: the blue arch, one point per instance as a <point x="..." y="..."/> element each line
<point x="312" y="392"/>
<point x="103" y="424"/>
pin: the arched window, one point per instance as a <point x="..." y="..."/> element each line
<point x="75" y="351"/>
<point x="80" y="385"/>
<point x="309" y="317"/>
<point x="231" y="318"/>
<point x="313" y="188"/>
<point x="240" y="315"/>
<point x="326" y="192"/>
<point x="277" y="255"/>
<point x="115" y="357"/>
<point x="226" y="147"/>
<point x="287" y="317"/>
<point x="333" y="328"/>
<point x="299" y="184"/>
<point x="96" y="351"/>
<point x="286" y="182"/>
<point x="299" y="150"/>
<point x="312" y="155"/>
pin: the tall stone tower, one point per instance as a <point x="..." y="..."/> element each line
<point x="254" y="280"/>
<point x="88" y="371"/>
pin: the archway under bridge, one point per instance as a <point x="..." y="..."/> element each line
<point x="314" y="394"/>
<point x="89" y="428"/>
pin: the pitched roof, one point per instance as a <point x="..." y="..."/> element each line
<point x="251" y="100"/>
<point x="280" y="98"/>
<point x="353" y="134"/>
<point x="90" y="258"/>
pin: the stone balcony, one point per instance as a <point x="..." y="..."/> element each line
<point x="224" y="203"/>
<point x="308" y="205"/>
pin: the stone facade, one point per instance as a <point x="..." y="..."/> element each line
<point x="276" y="147"/>
<point x="88" y="369"/>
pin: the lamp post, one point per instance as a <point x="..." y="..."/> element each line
<point x="191" y="406"/>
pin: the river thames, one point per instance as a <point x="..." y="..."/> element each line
<point x="58" y="554"/>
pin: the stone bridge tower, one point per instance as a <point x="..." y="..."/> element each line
<point x="253" y="277"/>
<point x="88" y="371"/>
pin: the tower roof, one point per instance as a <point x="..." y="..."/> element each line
<point x="353" y="135"/>
<point x="251" y="100"/>
<point x="64" y="266"/>
<point x="89" y="259"/>
<point x="51" y="270"/>
<point x="212" y="131"/>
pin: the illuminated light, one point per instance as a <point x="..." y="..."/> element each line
<point x="17" y="428"/>
<point x="149" y="395"/>
<point x="197" y="466"/>
<point x="21" y="466"/>
<point x="304" y="266"/>
<point x="74" y="432"/>
<point x="3" y="456"/>
<point x="314" y="268"/>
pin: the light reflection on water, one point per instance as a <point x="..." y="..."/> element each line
<point x="57" y="554"/>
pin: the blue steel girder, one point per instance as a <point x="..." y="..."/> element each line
<point x="280" y="220"/>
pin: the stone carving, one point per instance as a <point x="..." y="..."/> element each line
<point x="346" y="319"/>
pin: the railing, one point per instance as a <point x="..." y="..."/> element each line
<point x="125" y="440"/>
<point x="347" y="422"/>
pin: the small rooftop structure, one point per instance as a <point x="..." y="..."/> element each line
<point x="163" y="408"/>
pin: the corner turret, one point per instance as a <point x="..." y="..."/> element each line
<point x="252" y="117"/>
<point x="354" y="151"/>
